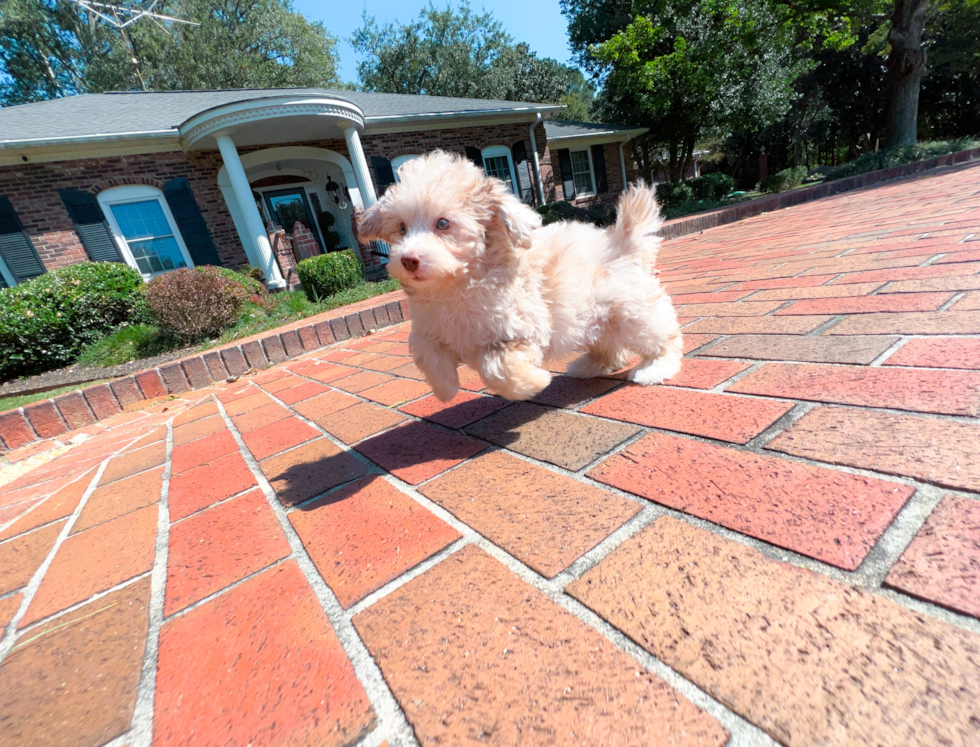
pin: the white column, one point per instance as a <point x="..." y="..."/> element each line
<point x="260" y="249"/>
<point x="359" y="162"/>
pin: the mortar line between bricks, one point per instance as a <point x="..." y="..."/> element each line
<point x="933" y="259"/>
<point x="142" y="723"/>
<point x="890" y="351"/>
<point x="216" y="503"/>
<point x="10" y="634"/>
<point x="224" y="590"/>
<point x="833" y="321"/>
<point x="956" y="297"/>
<point x="391" y="721"/>
<point x="896" y="538"/>
<point x="748" y="735"/>
<point x="38" y="504"/>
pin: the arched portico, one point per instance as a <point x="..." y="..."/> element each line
<point x="313" y="166"/>
<point x="286" y="117"/>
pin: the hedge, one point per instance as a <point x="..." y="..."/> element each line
<point x="326" y="274"/>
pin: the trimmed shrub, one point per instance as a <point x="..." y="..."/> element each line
<point x="712" y="187"/>
<point x="250" y="283"/>
<point x="673" y="194"/>
<point x="903" y="154"/>
<point x="195" y="302"/>
<point x="46" y="321"/>
<point x="783" y="180"/>
<point x="599" y="214"/>
<point x="326" y="274"/>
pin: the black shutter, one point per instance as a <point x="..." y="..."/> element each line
<point x="599" y="169"/>
<point x="16" y="249"/>
<point x="474" y="155"/>
<point x="384" y="173"/>
<point x="190" y="222"/>
<point x="567" y="180"/>
<point x="91" y="225"/>
<point x="523" y="168"/>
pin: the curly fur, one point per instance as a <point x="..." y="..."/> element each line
<point x="494" y="290"/>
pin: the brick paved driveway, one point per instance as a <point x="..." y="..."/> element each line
<point x="782" y="544"/>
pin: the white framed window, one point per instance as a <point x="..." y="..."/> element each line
<point x="582" y="172"/>
<point x="498" y="162"/>
<point x="144" y="229"/>
<point x="397" y="162"/>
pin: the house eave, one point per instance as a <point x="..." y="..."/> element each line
<point x="596" y="138"/>
<point x="46" y="150"/>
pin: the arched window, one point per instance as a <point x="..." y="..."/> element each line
<point x="497" y="161"/>
<point x="397" y="162"/>
<point x="144" y="229"/>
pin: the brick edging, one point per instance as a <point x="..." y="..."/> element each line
<point x="695" y="223"/>
<point x="84" y="407"/>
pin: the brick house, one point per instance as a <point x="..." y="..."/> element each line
<point x="262" y="176"/>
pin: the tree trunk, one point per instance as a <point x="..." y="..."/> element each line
<point x="672" y="161"/>
<point x="906" y="66"/>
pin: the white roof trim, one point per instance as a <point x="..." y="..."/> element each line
<point x="602" y="136"/>
<point x="464" y="113"/>
<point x="37" y="142"/>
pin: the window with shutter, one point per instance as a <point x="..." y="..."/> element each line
<point x="582" y="173"/>
<point x="18" y="259"/>
<point x="144" y="229"/>
<point x="497" y="162"/>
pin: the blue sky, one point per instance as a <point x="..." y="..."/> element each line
<point x="537" y="22"/>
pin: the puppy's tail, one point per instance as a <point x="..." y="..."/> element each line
<point x="637" y="223"/>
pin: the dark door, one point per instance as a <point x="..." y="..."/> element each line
<point x="286" y="206"/>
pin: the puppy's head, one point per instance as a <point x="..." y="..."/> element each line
<point x="446" y="220"/>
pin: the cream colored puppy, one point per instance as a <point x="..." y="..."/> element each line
<point x="487" y="286"/>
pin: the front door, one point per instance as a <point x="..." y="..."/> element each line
<point x="286" y="206"/>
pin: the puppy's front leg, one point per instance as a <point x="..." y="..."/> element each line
<point x="437" y="364"/>
<point x="513" y="370"/>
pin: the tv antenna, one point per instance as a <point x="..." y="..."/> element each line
<point x="121" y="16"/>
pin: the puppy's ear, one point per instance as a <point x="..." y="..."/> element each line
<point x="372" y="224"/>
<point x="513" y="218"/>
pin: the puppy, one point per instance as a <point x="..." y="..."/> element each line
<point x="487" y="286"/>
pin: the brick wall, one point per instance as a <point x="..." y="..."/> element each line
<point x="457" y="139"/>
<point x="32" y="189"/>
<point x="614" y="177"/>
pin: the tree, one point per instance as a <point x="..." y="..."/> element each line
<point x="688" y="69"/>
<point x="52" y="48"/>
<point x="456" y="52"/>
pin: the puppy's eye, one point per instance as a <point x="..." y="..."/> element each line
<point x="442" y="224"/>
<point x="402" y="230"/>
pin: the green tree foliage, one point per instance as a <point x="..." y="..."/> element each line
<point x="688" y="69"/>
<point x="456" y="52"/>
<point x="52" y="48"/>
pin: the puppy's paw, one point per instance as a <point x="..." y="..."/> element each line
<point x="656" y="371"/>
<point x="445" y="392"/>
<point x="530" y="382"/>
<point x="587" y="367"/>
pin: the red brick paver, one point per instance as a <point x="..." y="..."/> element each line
<point x="321" y="552"/>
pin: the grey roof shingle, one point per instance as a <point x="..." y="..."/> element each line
<point x="561" y="129"/>
<point x="146" y="112"/>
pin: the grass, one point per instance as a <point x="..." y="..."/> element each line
<point x="128" y="344"/>
<point x="145" y="341"/>
<point x="19" y="400"/>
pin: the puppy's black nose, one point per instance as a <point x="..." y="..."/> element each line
<point x="410" y="263"/>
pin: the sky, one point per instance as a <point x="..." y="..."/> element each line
<point x="537" y="22"/>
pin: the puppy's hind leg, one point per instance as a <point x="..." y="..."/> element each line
<point x="656" y="337"/>
<point x="598" y="361"/>
<point x="513" y="370"/>
<point x="437" y="364"/>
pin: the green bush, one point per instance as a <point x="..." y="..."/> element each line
<point x="245" y="279"/>
<point x="127" y="344"/>
<point x="673" y="194"/>
<point x="712" y="187"/>
<point x="193" y="303"/>
<point x="783" y="180"/>
<point x="901" y="155"/>
<point x="326" y="274"/>
<point x="45" y="322"/>
<point x="599" y="214"/>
